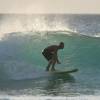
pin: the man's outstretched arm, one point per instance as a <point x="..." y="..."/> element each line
<point x="58" y="60"/>
<point x="56" y="57"/>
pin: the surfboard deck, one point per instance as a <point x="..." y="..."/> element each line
<point x="64" y="72"/>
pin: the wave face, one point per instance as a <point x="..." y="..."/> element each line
<point x="21" y="58"/>
<point x="21" y="54"/>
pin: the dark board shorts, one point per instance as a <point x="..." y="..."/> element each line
<point x="47" y="55"/>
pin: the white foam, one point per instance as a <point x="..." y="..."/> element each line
<point x="29" y="97"/>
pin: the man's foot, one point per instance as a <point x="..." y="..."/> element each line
<point x="53" y="69"/>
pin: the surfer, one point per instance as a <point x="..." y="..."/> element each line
<point x="50" y="53"/>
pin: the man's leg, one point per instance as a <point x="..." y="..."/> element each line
<point x="49" y="64"/>
<point x="54" y="60"/>
<point x="53" y="66"/>
<point x="47" y="56"/>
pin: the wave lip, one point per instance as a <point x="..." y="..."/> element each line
<point x="27" y="97"/>
<point x="81" y="24"/>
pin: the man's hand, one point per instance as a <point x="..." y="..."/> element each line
<point x="58" y="62"/>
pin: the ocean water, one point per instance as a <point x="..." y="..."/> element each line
<point x="22" y="66"/>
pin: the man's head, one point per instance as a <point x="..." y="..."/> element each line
<point x="61" y="45"/>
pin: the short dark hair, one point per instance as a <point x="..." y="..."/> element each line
<point x="61" y="43"/>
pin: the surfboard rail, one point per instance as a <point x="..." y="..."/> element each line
<point x="66" y="72"/>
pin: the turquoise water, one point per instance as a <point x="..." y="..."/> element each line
<point x="22" y="66"/>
